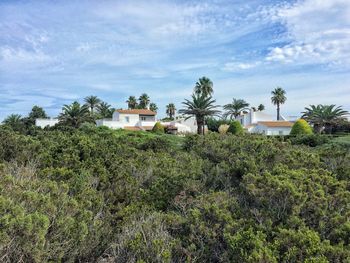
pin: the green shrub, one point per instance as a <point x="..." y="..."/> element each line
<point x="311" y="140"/>
<point x="301" y="127"/>
<point x="235" y="128"/>
<point x="158" y="128"/>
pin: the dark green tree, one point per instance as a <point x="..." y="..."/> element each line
<point x="204" y="86"/>
<point x="74" y="115"/>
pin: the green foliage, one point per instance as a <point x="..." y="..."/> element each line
<point x="158" y="128"/>
<point x="94" y="194"/>
<point x="301" y="127"/>
<point x="214" y="124"/>
<point x="311" y="140"/>
<point x="235" y="128"/>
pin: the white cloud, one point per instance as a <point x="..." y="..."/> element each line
<point x="239" y="66"/>
<point x="319" y="32"/>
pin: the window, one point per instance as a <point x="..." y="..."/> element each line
<point x="127" y="119"/>
<point x="143" y="118"/>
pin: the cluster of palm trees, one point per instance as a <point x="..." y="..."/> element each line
<point x="202" y="105"/>
<point x="75" y="114"/>
<point x="324" y="117"/>
<point x="143" y="102"/>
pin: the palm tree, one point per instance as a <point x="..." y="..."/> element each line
<point x="261" y="107"/>
<point x="132" y="102"/>
<point x="324" y="116"/>
<point x="278" y="98"/>
<point x="201" y="107"/>
<point x="235" y="108"/>
<point x="153" y="107"/>
<point x="144" y="101"/>
<point x="14" y="121"/>
<point x="92" y="102"/>
<point x="204" y="86"/>
<point x="74" y="114"/>
<point x="170" y="110"/>
<point x="105" y="110"/>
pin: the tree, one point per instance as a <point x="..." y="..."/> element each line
<point x="278" y="98"/>
<point x="301" y="127"/>
<point x="105" y="110"/>
<point x="170" y="110"/>
<point x="74" y="115"/>
<point x="14" y="121"/>
<point x="92" y="102"/>
<point x="324" y="116"/>
<point x="201" y="107"/>
<point x="132" y="102"/>
<point x="261" y="107"/>
<point x="158" y="128"/>
<point x="235" y="108"/>
<point x="144" y="101"/>
<point x="36" y="113"/>
<point x="235" y="128"/>
<point x="204" y="86"/>
<point x="153" y="107"/>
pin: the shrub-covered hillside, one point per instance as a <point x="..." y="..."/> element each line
<point x="97" y="195"/>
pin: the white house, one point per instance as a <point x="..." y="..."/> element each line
<point x="261" y="122"/>
<point x="134" y="119"/>
<point x="144" y="120"/>
<point x="46" y="122"/>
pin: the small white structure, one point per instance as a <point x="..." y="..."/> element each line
<point x="133" y="119"/>
<point x="273" y="127"/>
<point x="261" y="122"/>
<point x="144" y="120"/>
<point x="46" y="122"/>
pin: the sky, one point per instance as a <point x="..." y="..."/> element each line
<point x="55" y="52"/>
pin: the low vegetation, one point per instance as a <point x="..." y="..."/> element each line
<point x="97" y="195"/>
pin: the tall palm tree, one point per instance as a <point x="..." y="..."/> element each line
<point x="105" y="110"/>
<point x="170" y="110"/>
<point x="278" y="98"/>
<point x="235" y="108"/>
<point x="132" y="102"/>
<point x="204" y="86"/>
<point x="92" y="102"/>
<point x="153" y="107"/>
<point x="144" y="101"/>
<point x="261" y="107"/>
<point x="324" y="116"/>
<point x="14" y="121"/>
<point x="201" y="107"/>
<point x="74" y="114"/>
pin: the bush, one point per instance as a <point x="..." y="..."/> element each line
<point x="223" y="128"/>
<point x="214" y="124"/>
<point x="235" y="128"/>
<point x="158" y="128"/>
<point x="311" y="140"/>
<point x="301" y="127"/>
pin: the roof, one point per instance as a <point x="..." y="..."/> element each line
<point x="137" y="111"/>
<point x="276" y="123"/>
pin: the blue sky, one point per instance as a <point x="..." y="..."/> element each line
<point x="55" y="52"/>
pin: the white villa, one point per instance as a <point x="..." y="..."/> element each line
<point x="144" y="120"/>
<point x="263" y="123"/>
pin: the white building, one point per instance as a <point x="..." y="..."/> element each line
<point x="46" y="122"/>
<point x="261" y="122"/>
<point x="144" y="120"/>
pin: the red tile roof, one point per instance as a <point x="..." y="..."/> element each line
<point x="137" y="111"/>
<point x="276" y="123"/>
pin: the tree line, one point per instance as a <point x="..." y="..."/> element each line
<point x="201" y="105"/>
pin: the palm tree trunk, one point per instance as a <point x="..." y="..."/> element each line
<point x="278" y="111"/>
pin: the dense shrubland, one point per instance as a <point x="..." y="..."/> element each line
<point x="97" y="195"/>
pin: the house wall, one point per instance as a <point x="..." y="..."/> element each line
<point x="147" y="118"/>
<point x="271" y="130"/>
<point x="46" y="122"/>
